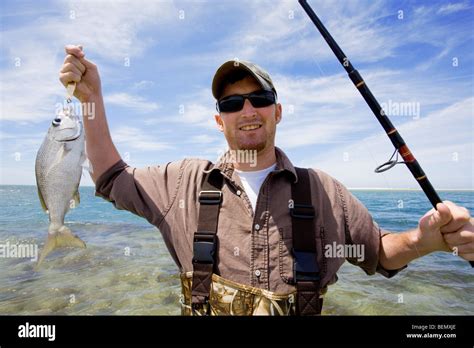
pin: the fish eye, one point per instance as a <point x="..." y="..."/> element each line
<point x="56" y="122"/>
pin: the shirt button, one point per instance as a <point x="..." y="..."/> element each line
<point x="239" y="192"/>
<point x="257" y="227"/>
<point x="258" y="273"/>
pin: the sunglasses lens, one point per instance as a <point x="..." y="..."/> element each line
<point x="235" y="103"/>
<point x="262" y="99"/>
<point x="231" y="104"/>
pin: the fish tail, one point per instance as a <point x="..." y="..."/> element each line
<point x="59" y="238"/>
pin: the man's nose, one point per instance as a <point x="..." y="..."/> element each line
<point x="248" y="109"/>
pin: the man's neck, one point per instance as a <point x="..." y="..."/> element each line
<point x="265" y="159"/>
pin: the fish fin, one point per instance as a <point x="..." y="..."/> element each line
<point x="77" y="197"/>
<point x="86" y="163"/>
<point x="62" y="237"/>
<point x="67" y="146"/>
<point x="59" y="156"/>
<point x="43" y="203"/>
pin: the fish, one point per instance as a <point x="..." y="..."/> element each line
<point x="58" y="170"/>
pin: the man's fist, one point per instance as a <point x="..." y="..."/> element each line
<point x="449" y="228"/>
<point x="76" y="68"/>
<point x="459" y="232"/>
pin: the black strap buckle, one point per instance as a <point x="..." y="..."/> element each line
<point x="201" y="308"/>
<point x="305" y="266"/>
<point x="302" y="211"/>
<point x="204" y="247"/>
<point x="210" y="197"/>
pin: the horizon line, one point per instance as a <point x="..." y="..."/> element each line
<point x="349" y="188"/>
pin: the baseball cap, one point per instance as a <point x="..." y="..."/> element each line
<point x="219" y="81"/>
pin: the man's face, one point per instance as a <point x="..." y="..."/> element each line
<point x="238" y="126"/>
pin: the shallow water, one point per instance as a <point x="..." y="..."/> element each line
<point x="126" y="268"/>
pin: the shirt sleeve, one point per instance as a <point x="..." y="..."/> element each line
<point x="147" y="192"/>
<point x="362" y="230"/>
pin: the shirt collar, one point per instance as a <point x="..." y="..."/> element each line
<point x="226" y="166"/>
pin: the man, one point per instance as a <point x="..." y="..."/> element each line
<point x="273" y="221"/>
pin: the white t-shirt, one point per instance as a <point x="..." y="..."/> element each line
<point x="252" y="181"/>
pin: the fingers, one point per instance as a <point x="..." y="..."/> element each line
<point x="461" y="216"/>
<point x="70" y="59"/>
<point x="435" y="219"/>
<point x="463" y="249"/>
<point x="69" y="77"/>
<point x="74" y="50"/>
<point x="88" y="64"/>
<point x="462" y="241"/>
<point x="75" y="65"/>
<point x="70" y="67"/>
<point x="458" y="238"/>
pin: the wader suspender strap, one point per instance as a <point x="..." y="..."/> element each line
<point x="306" y="270"/>
<point x="205" y="238"/>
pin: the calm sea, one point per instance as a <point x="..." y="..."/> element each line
<point x="126" y="268"/>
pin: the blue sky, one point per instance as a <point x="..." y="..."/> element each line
<point x="157" y="60"/>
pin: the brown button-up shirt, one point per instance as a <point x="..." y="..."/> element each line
<point x="254" y="246"/>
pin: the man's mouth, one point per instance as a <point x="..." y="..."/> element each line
<point x="250" y="127"/>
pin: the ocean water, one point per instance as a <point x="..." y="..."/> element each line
<point x="126" y="269"/>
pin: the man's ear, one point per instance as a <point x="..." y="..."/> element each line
<point x="278" y="113"/>
<point x="220" y="124"/>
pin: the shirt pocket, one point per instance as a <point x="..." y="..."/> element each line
<point x="285" y="257"/>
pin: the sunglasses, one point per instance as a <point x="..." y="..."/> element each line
<point x="233" y="103"/>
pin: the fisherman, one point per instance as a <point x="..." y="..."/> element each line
<point x="249" y="237"/>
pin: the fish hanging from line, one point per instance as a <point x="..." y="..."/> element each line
<point x="58" y="169"/>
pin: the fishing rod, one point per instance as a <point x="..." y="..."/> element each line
<point x="395" y="137"/>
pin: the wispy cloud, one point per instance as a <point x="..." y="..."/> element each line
<point x="143" y="85"/>
<point x="175" y="47"/>
<point x="441" y="142"/>
<point x="33" y="52"/>
<point x="130" y="138"/>
<point x="203" y="139"/>
<point x="29" y="88"/>
<point x="134" y="102"/>
<point x="452" y="8"/>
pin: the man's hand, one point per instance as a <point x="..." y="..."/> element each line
<point x="444" y="229"/>
<point x="448" y="227"/>
<point x="459" y="232"/>
<point x="76" y="68"/>
<point x="101" y="151"/>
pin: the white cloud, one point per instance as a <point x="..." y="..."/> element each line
<point x="29" y="87"/>
<point x="286" y="33"/>
<point x="441" y="142"/>
<point x="110" y="31"/>
<point x="134" y="102"/>
<point x="331" y="110"/>
<point x="134" y="138"/>
<point x="199" y="114"/>
<point x="195" y="109"/>
<point x="143" y="85"/>
<point x="108" y="28"/>
<point x="452" y="8"/>
<point x="326" y="110"/>
<point x="203" y="139"/>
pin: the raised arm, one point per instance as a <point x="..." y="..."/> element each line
<point x="100" y="149"/>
